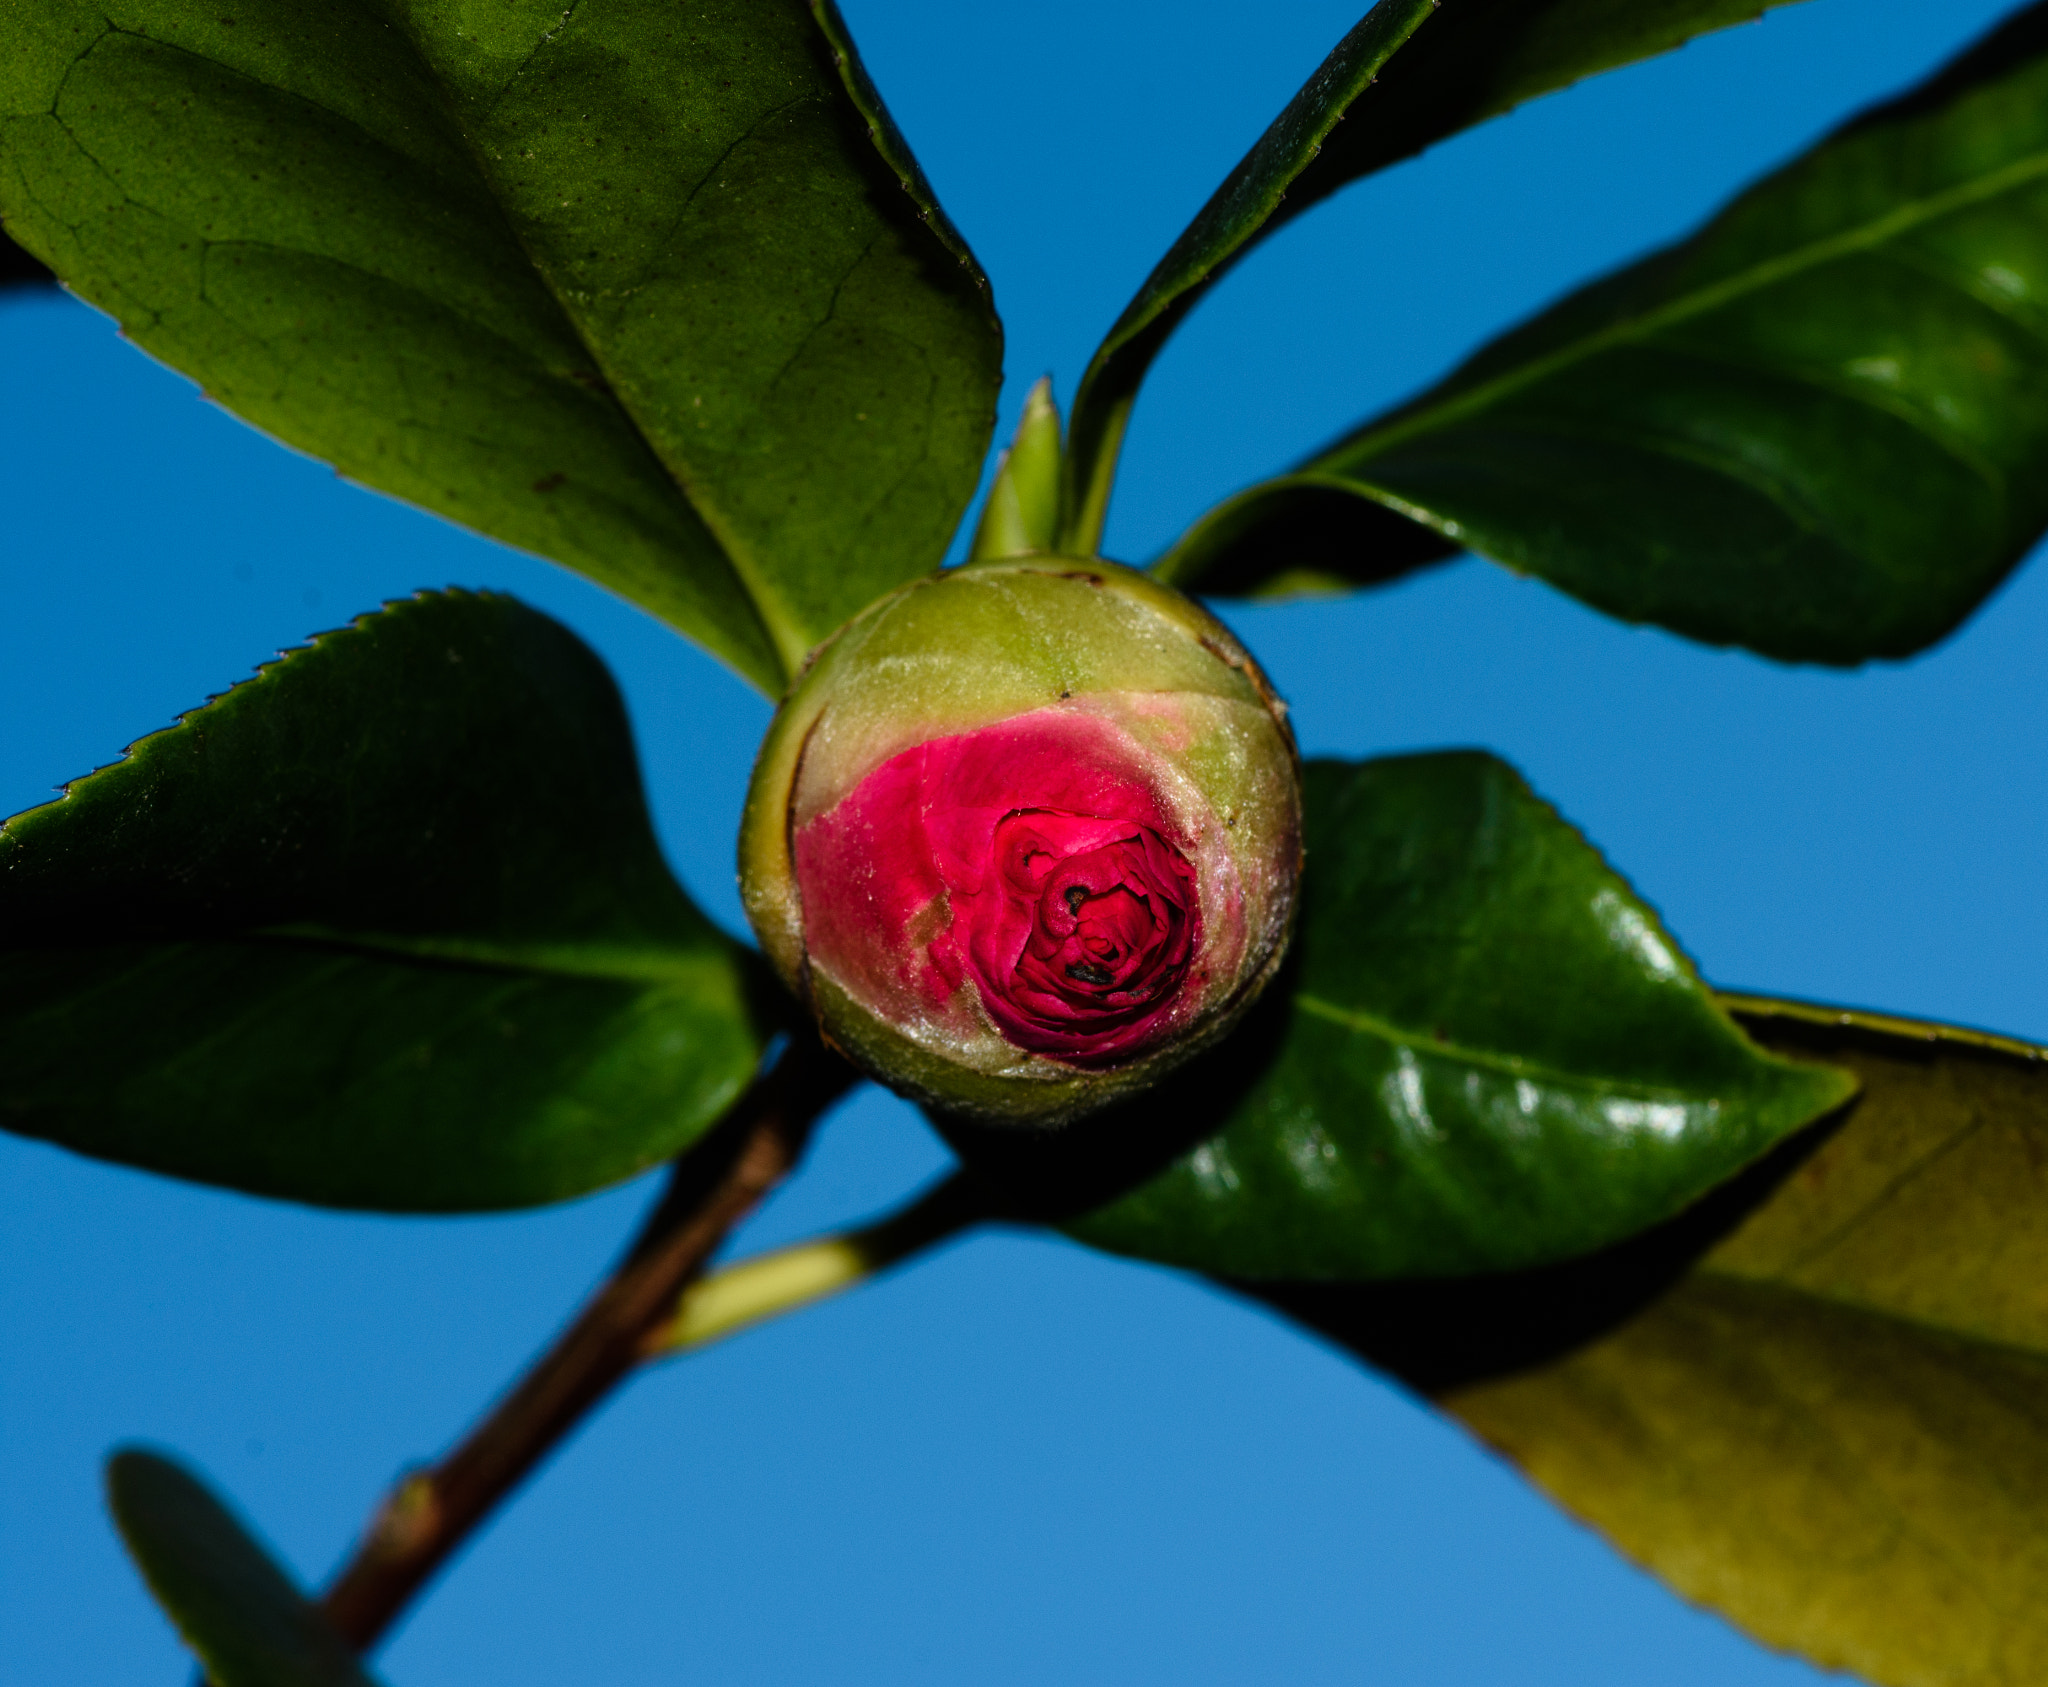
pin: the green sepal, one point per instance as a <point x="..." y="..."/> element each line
<point x="385" y="926"/>
<point x="1021" y="517"/>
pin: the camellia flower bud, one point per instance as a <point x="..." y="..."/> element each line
<point x="1024" y="834"/>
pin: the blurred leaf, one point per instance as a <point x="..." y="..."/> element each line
<point x="1835" y="1429"/>
<point x="1395" y="88"/>
<point x="664" y="300"/>
<point x="384" y="926"/>
<point x="242" y="1615"/>
<point x="1486" y="1054"/>
<point x="1818" y="428"/>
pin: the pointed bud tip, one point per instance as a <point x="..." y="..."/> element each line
<point x="1021" y="517"/>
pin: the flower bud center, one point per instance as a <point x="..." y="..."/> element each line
<point x="1109" y="922"/>
<point x="1025" y="834"/>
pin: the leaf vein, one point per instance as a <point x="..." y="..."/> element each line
<point x="1864" y="237"/>
<point x="1507" y="1065"/>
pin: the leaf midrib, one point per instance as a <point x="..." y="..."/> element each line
<point x="782" y="638"/>
<point x="619" y="963"/>
<point x="778" y="637"/>
<point x="1507" y="1065"/>
<point x="1865" y="237"/>
<point x="1870" y="1309"/>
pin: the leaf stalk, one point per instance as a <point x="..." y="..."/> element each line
<point x="788" y="1279"/>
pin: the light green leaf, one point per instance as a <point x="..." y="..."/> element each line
<point x="1818" y="428"/>
<point x="660" y="295"/>
<point x="1412" y="73"/>
<point x="1834" y="1430"/>
<point x="383" y="927"/>
<point x="1486" y="1054"/>
<point x="241" y="1613"/>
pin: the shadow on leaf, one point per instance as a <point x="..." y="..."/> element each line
<point x="1442" y="1334"/>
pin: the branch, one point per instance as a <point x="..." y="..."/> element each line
<point x="711" y="1188"/>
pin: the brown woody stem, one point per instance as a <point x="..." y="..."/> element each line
<point x="715" y="1185"/>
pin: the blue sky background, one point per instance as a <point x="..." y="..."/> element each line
<point x="1015" y="1462"/>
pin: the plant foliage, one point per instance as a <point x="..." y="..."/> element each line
<point x="512" y="266"/>
<point x="385" y="927"/>
<point x="661" y="294"/>
<point x="1818" y="428"/>
<point x="1411" y="74"/>
<point x="1833" y="1428"/>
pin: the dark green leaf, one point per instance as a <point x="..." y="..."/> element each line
<point x="1487" y="1054"/>
<point x="382" y="927"/>
<point x="659" y="294"/>
<point x="1818" y="428"/>
<point x="1300" y="536"/>
<point x="1835" y="1429"/>
<point x="241" y="1614"/>
<point x="1395" y="88"/>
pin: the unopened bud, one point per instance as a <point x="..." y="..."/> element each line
<point x="1024" y="835"/>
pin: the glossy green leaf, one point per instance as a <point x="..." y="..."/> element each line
<point x="1818" y="428"/>
<point x="1487" y="1054"/>
<point x="384" y="926"/>
<point x="239" y="1612"/>
<point x="1412" y="73"/>
<point x="1835" y="1429"/>
<point x="659" y="294"/>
